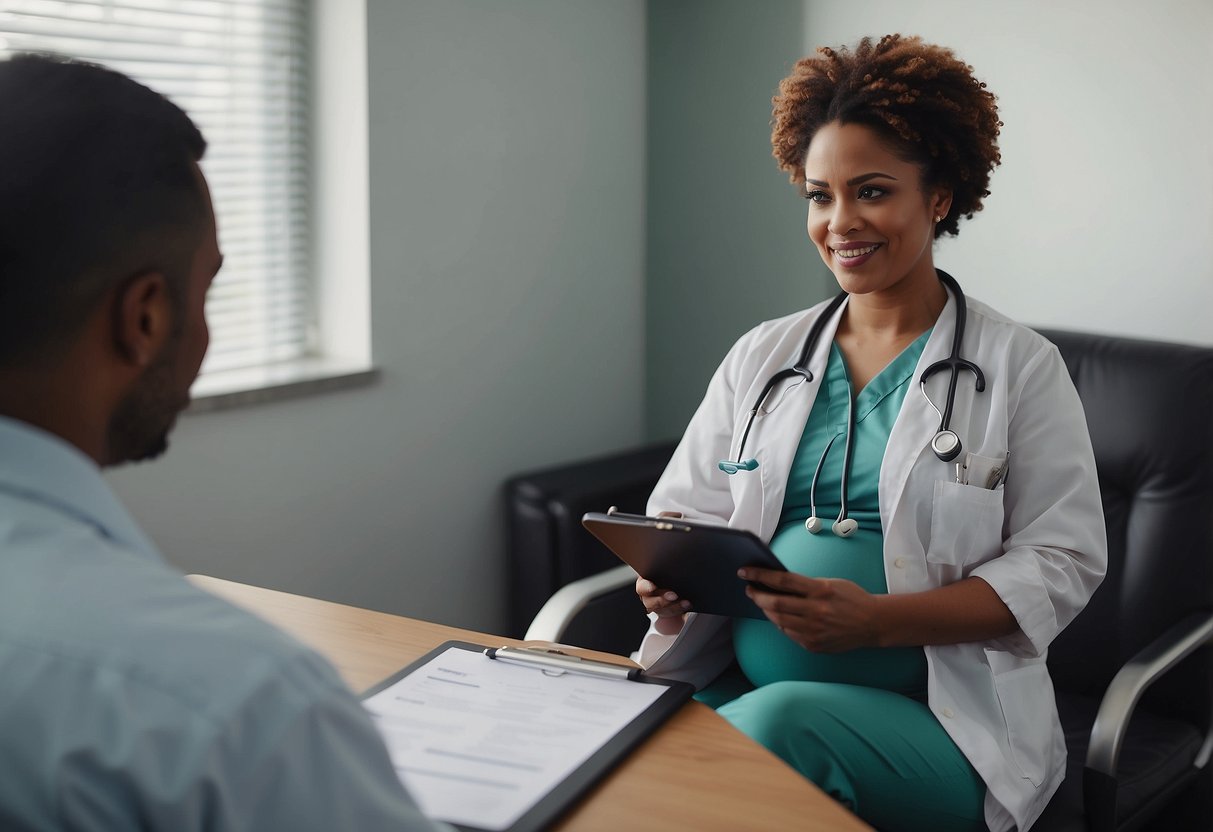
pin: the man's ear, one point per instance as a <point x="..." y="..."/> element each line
<point x="143" y="318"/>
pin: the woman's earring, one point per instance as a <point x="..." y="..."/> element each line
<point x="937" y="219"/>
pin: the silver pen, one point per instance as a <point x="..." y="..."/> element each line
<point x="555" y="663"/>
<point x="999" y="475"/>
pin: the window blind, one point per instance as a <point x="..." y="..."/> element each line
<point x="239" y="68"/>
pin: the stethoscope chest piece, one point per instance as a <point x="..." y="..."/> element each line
<point x="946" y="445"/>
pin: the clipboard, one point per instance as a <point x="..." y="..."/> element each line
<point x="464" y="735"/>
<point x="696" y="560"/>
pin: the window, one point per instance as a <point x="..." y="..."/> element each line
<point x="239" y="68"/>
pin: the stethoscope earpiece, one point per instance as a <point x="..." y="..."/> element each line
<point x="843" y="526"/>
<point x="846" y="527"/>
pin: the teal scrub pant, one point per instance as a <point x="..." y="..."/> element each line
<point x="881" y="754"/>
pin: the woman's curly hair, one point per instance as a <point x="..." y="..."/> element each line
<point x="921" y="98"/>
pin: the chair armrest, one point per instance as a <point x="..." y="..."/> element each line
<point x="1116" y="708"/>
<point x="559" y="611"/>
<point x="1131" y="681"/>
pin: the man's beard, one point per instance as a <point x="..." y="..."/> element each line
<point x="139" y="427"/>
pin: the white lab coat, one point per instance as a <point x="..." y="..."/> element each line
<point x="1039" y="540"/>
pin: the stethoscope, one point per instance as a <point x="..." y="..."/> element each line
<point x="946" y="443"/>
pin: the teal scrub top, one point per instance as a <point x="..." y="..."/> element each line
<point x="764" y="653"/>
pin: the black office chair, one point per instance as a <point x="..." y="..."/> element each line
<point x="1149" y="408"/>
<point x="1139" y="650"/>
<point x="555" y="564"/>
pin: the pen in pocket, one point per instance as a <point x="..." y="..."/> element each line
<point x="998" y="475"/>
<point x="982" y="472"/>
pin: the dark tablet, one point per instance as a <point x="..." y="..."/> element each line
<point x="697" y="561"/>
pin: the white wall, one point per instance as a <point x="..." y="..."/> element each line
<point x="506" y="251"/>
<point x="1101" y="215"/>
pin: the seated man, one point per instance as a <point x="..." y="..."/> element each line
<point x="128" y="698"/>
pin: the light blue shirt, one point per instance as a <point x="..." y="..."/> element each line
<point x="129" y="699"/>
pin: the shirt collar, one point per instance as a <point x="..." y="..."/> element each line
<point x="40" y="467"/>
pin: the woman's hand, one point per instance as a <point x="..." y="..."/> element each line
<point x="828" y="615"/>
<point x="821" y="615"/>
<point x="665" y="603"/>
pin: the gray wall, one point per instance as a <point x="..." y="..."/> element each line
<point x="727" y="246"/>
<point x="521" y="255"/>
<point x="506" y="236"/>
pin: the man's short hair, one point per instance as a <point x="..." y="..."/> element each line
<point x="97" y="183"/>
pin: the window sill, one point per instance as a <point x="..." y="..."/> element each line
<point x="276" y="382"/>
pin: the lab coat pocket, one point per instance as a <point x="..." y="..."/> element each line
<point x="1025" y="695"/>
<point x="966" y="524"/>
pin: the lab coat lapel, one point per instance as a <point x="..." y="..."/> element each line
<point x="917" y="422"/>
<point x="783" y="426"/>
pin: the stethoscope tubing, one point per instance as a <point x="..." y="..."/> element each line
<point x="954" y="363"/>
<point x="800" y="368"/>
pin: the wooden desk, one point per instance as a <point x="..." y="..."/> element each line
<point x="697" y="772"/>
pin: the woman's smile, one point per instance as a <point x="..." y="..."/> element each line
<point x="854" y="255"/>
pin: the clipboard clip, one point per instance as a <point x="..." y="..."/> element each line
<point x="663" y="522"/>
<point x="556" y="663"/>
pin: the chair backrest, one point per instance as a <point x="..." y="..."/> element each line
<point x="1149" y="407"/>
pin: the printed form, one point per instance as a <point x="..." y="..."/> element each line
<point x="478" y="741"/>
